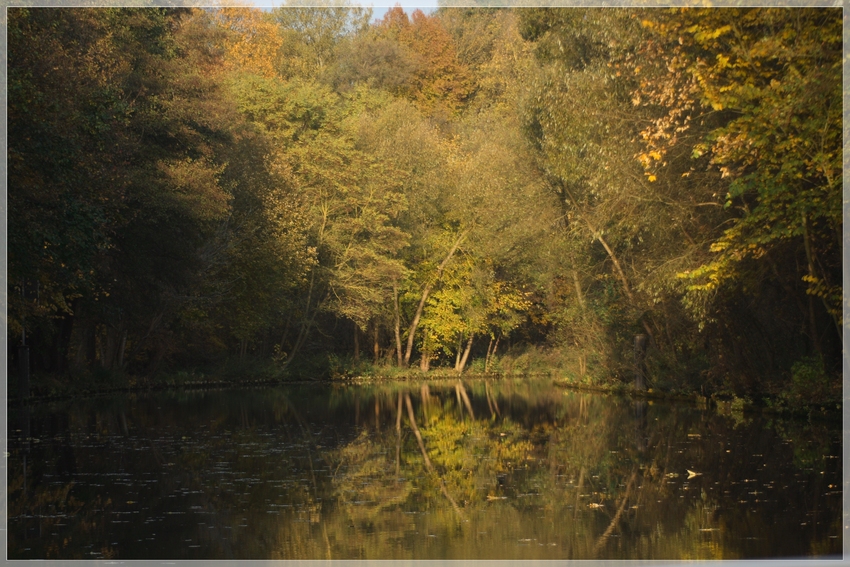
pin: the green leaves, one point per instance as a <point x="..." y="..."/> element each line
<point x="779" y="74"/>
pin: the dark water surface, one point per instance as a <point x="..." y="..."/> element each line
<point x="510" y="470"/>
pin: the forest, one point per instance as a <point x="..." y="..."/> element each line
<point x="311" y="193"/>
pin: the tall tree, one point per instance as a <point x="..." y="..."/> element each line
<point x="774" y="77"/>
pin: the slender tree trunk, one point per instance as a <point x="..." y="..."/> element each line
<point x="425" y="361"/>
<point x="458" y="352"/>
<point x="618" y="269"/>
<point x="306" y="322"/>
<point x="491" y="352"/>
<point x="579" y="294"/>
<point x="397" y="325"/>
<point x="376" y="346"/>
<point x="356" y="343"/>
<point x="411" y="331"/>
<point x="465" y="357"/>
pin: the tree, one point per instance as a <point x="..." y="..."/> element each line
<point x="124" y="179"/>
<point x="762" y="69"/>
<point x="254" y="43"/>
<point x="439" y="83"/>
<point x="320" y="29"/>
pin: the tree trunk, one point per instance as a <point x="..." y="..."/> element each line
<point x="425" y="361"/>
<point x="618" y="269"/>
<point x="411" y="331"/>
<point x="376" y="346"/>
<point x="397" y="326"/>
<point x="579" y="294"/>
<point x="356" y="343"/>
<point x="466" y="354"/>
<point x="306" y="322"/>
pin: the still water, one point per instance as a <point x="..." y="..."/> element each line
<point x="451" y="470"/>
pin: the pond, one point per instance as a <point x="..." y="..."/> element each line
<point x="506" y="469"/>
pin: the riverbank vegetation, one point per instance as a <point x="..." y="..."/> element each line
<point x="310" y="192"/>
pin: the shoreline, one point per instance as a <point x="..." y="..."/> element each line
<point x="721" y="402"/>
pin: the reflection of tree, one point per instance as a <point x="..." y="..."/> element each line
<point x="301" y="474"/>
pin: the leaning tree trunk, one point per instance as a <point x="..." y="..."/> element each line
<point x="465" y="356"/>
<point x="618" y="269"/>
<point x="411" y="331"/>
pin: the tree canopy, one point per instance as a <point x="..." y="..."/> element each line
<point x="191" y="186"/>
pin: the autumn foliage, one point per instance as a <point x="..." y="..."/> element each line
<point x="311" y="188"/>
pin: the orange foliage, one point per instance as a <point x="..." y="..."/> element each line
<point x="255" y="44"/>
<point x="441" y="83"/>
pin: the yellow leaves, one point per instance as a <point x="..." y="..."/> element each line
<point x="255" y="46"/>
<point x="819" y="288"/>
<point x="647" y="158"/>
<point x="707" y="35"/>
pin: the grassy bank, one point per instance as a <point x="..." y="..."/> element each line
<point x="808" y="393"/>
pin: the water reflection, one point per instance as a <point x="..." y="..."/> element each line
<point x="475" y="470"/>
